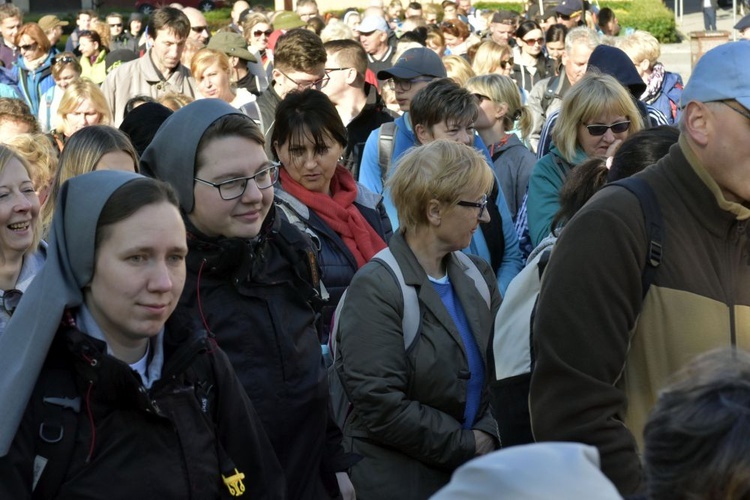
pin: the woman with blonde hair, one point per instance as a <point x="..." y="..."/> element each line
<point x="98" y="147"/>
<point x="22" y="252"/>
<point x="83" y="104"/>
<point x="500" y="112"/>
<point x="40" y="157"/>
<point x="65" y="69"/>
<point x="420" y="411"/>
<point x="458" y="69"/>
<point x="596" y="115"/>
<point x="257" y="28"/>
<point x="213" y="74"/>
<point x="491" y="57"/>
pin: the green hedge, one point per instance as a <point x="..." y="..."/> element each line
<point x="648" y="15"/>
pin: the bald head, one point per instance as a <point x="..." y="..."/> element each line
<point x="198" y="25"/>
<point x="238" y="8"/>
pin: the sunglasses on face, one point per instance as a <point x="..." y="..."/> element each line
<point x="116" y="25"/>
<point x="617" y="128"/>
<point x="534" y="41"/>
<point x="506" y="63"/>
<point x="199" y="29"/>
<point x="257" y="33"/>
<point x="29" y="47"/>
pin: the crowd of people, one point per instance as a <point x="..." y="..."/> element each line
<point x="401" y="252"/>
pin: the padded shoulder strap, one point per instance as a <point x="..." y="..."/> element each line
<point x="411" y="318"/>
<point x="654" y="226"/>
<point x="385" y="148"/>
<point x="472" y="271"/>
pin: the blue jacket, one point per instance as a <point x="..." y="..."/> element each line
<point x="33" y="84"/>
<point x="404" y="138"/>
<point x="668" y="100"/>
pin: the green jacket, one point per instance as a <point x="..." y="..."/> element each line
<point x="97" y="71"/>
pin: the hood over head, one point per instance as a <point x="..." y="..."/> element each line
<point x="59" y="286"/>
<point x="615" y="62"/>
<point x="172" y="153"/>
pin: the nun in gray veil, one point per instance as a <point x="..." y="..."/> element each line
<point x="104" y="392"/>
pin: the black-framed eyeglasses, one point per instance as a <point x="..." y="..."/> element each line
<point x="406" y="84"/>
<point x="481" y="205"/>
<point x="62" y="60"/>
<point x="257" y="33"/>
<point x="317" y="84"/>
<point x="234" y="188"/>
<point x="28" y="47"/>
<point x="115" y="25"/>
<point x="742" y="112"/>
<point x="199" y="29"/>
<point x="617" y="128"/>
<point x="330" y="70"/>
<point x="11" y="298"/>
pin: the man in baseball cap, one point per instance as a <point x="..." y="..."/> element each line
<point x="373" y="35"/>
<point x="412" y="72"/>
<point x="241" y="60"/>
<point x="52" y="27"/>
<point x="569" y="13"/>
<point x="622" y="356"/>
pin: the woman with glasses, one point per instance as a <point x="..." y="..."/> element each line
<point x="491" y="57"/>
<point x="320" y="195"/>
<point x="65" y="69"/>
<point x="22" y="250"/>
<point x="421" y="410"/>
<point x="257" y="28"/>
<point x="251" y="283"/>
<point x="533" y="64"/>
<point x="33" y="68"/>
<point x="124" y="395"/>
<point x="504" y="125"/>
<point x="596" y="115"/>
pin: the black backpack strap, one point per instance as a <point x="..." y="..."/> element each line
<point x="57" y="404"/>
<point x="386" y="135"/>
<point x="493" y="230"/>
<point x="654" y="226"/>
<point x="301" y="253"/>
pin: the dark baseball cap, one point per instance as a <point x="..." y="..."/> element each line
<point x="419" y="61"/>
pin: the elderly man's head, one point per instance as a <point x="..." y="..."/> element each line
<point x="198" y="25"/>
<point x="716" y="117"/>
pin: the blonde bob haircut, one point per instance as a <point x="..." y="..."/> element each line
<point x="205" y="58"/>
<point x="594" y="95"/>
<point x="502" y="90"/>
<point x="440" y="170"/>
<point x="40" y="156"/>
<point x="7" y="154"/>
<point x="458" y="69"/>
<point x="81" y="90"/>
<point x="488" y="57"/>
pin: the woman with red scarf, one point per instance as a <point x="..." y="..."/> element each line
<point x="320" y="196"/>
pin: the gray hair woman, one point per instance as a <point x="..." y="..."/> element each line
<point x="420" y="411"/>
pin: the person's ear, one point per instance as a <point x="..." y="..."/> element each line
<point x="276" y="74"/>
<point x="423" y="133"/>
<point x="434" y="212"/>
<point x="697" y="122"/>
<point x="351" y="76"/>
<point x="501" y="109"/>
<point x="644" y="66"/>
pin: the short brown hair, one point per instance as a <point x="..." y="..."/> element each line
<point x="171" y="19"/>
<point x="350" y="54"/>
<point x="36" y="33"/>
<point x="299" y="50"/>
<point x="18" y="111"/>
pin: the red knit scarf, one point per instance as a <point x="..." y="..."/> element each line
<point x="339" y="212"/>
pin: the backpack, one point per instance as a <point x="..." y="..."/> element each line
<point x="410" y="323"/>
<point x="386" y="133"/>
<point x="512" y="353"/>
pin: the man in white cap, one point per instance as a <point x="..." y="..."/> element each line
<point x="606" y="344"/>
<point x="373" y="35"/>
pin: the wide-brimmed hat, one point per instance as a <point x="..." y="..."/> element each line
<point x="232" y="44"/>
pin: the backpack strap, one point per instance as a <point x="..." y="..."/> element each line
<point x="654" y="223"/>
<point x="386" y="132"/>
<point x="252" y="110"/>
<point x="56" y="406"/>
<point x="410" y="322"/>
